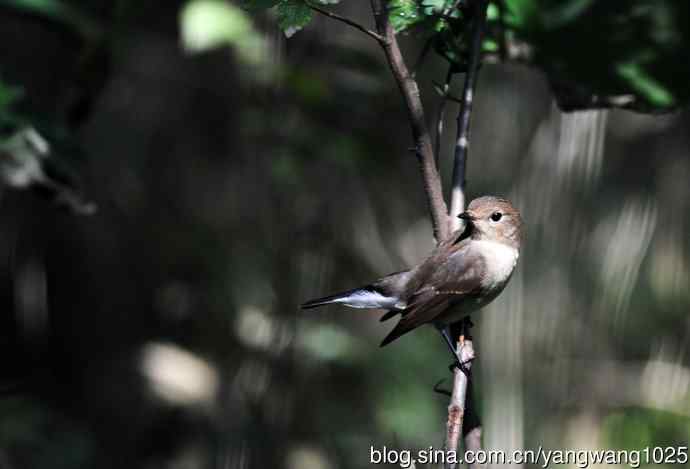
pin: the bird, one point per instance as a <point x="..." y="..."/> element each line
<point x="461" y="275"/>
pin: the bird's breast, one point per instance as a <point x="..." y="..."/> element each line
<point x="499" y="261"/>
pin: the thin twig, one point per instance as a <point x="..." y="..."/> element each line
<point x="440" y="117"/>
<point x="410" y="91"/>
<point x="347" y="21"/>
<point x="457" y="197"/>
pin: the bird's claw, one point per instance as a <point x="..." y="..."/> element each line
<point x="462" y="366"/>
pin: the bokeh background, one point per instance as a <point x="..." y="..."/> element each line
<point x="239" y="174"/>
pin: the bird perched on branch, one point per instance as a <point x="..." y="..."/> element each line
<point x="462" y="274"/>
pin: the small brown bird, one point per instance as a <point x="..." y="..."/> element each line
<point x="462" y="274"/>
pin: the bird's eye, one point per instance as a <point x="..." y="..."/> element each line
<point x="496" y="216"/>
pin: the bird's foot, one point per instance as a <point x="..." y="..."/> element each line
<point x="462" y="366"/>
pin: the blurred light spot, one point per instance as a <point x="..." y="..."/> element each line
<point x="306" y="457"/>
<point x="669" y="275"/>
<point x="581" y="144"/>
<point x="208" y="24"/>
<point x="326" y="342"/>
<point x="255" y="328"/>
<point x="177" y="376"/>
<point x="666" y="385"/>
<point x="626" y="246"/>
<point x="584" y="431"/>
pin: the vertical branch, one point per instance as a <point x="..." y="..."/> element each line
<point x="441" y="116"/>
<point x="413" y="102"/>
<point x="459" y="396"/>
<point x="462" y="403"/>
<point x="457" y="195"/>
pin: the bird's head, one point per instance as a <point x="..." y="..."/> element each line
<point x="495" y="219"/>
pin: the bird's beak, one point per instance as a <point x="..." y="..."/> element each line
<point x="467" y="216"/>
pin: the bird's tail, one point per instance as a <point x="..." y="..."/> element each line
<point x="327" y="300"/>
<point x="363" y="297"/>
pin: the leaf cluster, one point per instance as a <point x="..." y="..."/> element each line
<point x="596" y="53"/>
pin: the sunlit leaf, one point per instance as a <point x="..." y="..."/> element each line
<point x="404" y="13"/>
<point x="27" y="162"/>
<point x="520" y="12"/>
<point x="492" y="12"/>
<point x="207" y="24"/>
<point x="293" y="15"/>
<point x="489" y="45"/>
<point x="596" y="52"/>
<point x="646" y="85"/>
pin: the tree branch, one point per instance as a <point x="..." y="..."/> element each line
<point x="456" y="407"/>
<point x="423" y="148"/>
<point x="441" y="116"/>
<point x="457" y="196"/>
<point x="461" y="397"/>
<point x="347" y="21"/>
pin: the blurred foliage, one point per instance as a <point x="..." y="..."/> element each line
<point x="63" y="12"/>
<point x="32" y="435"/>
<point x="27" y="161"/>
<point x="9" y="96"/>
<point x="227" y="200"/>
<point x="638" y="428"/>
<point x="633" y="51"/>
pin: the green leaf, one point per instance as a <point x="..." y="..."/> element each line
<point x="602" y="53"/>
<point x="489" y="45"/>
<point x="646" y="85"/>
<point x="208" y="24"/>
<point x="492" y="12"/>
<point x="404" y="13"/>
<point x="519" y="13"/>
<point x="293" y="15"/>
<point x="437" y="6"/>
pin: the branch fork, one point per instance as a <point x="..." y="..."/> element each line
<point x="444" y="221"/>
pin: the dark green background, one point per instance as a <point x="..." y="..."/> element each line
<point x="236" y="182"/>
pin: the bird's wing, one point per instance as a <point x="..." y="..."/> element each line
<point x="455" y="277"/>
<point x="413" y="282"/>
